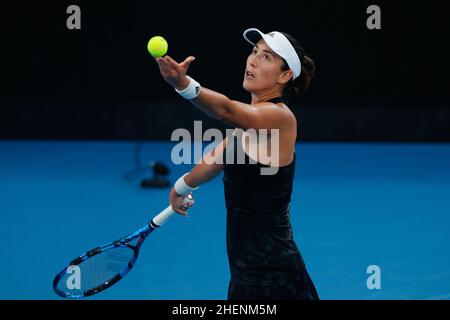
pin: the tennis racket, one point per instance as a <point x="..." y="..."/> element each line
<point x="102" y="267"/>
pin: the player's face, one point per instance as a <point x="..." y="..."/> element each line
<point x="263" y="69"/>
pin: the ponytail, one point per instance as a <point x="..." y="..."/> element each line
<point x="301" y="84"/>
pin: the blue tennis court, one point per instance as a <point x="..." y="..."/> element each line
<point x="353" y="205"/>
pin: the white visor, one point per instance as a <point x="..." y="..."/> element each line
<point x="279" y="44"/>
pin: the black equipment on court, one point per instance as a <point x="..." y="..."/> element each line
<point x="159" y="170"/>
<point x="159" y="180"/>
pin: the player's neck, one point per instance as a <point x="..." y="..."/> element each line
<point x="258" y="97"/>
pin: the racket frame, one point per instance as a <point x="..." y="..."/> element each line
<point x="141" y="234"/>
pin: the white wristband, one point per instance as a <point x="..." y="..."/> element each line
<point x="191" y="91"/>
<point x="182" y="188"/>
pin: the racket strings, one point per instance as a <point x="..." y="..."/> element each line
<point x="95" y="271"/>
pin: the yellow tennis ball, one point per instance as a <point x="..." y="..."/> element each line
<point x="157" y="46"/>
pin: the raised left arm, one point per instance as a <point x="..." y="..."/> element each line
<point x="219" y="106"/>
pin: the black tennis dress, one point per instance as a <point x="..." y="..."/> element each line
<point x="264" y="260"/>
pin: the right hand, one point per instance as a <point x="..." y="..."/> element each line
<point x="176" y="201"/>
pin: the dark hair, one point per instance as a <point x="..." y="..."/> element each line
<point x="301" y="84"/>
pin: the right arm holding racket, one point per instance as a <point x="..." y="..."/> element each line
<point x="207" y="169"/>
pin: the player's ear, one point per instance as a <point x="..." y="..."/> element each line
<point x="285" y="76"/>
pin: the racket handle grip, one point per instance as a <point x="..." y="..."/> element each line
<point x="162" y="217"/>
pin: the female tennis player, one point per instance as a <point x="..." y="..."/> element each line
<point x="265" y="262"/>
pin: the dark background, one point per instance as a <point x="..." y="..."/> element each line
<point x="100" y="82"/>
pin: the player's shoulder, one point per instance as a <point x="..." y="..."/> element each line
<point x="282" y="109"/>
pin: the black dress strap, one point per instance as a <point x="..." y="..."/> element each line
<point x="277" y="100"/>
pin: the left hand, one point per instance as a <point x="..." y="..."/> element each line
<point x="173" y="72"/>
